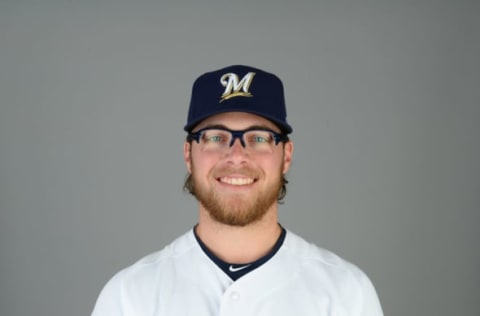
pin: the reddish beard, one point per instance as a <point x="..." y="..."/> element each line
<point x="236" y="209"/>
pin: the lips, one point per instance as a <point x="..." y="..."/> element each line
<point x="236" y="180"/>
<point x="236" y="176"/>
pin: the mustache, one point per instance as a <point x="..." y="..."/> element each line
<point x="226" y="171"/>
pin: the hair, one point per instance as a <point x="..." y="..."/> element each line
<point x="190" y="188"/>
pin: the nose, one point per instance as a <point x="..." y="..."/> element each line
<point x="237" y="152"/>
<point x="240" y="138"/>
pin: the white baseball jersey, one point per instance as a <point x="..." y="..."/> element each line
<point x="300" y="279"/>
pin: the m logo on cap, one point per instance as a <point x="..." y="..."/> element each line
<point x="234" y="87"/>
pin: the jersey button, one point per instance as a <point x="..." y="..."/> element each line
<point x="235" y="296"/>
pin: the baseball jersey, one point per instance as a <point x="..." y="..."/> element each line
<point x="300" y="279"/>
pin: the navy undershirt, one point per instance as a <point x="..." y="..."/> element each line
<point x="235" y="271"/>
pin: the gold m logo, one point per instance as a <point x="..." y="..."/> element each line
<point x="234" y="87"/>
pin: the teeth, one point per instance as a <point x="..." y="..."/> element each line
<point x="237" y="181"/>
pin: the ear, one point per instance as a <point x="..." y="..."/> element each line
<point x="187" y="155"/>
<point x="287" y="156"/>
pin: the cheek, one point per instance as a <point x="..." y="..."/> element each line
<point x="201" y="164"/>
<point x="272" y="167"/>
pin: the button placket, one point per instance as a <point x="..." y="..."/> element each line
<point x="235" y="295"/>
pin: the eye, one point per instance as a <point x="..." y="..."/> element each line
<point x="259" y="137"/>
<point x="213" y="139"/>
<point x="212" y="136"/>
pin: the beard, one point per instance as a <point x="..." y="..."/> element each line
<point x="236" y="209"/>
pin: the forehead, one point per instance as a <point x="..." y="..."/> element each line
<point x="237" y="121"/>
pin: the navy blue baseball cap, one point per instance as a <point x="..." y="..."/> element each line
<point x="238" y="89"/>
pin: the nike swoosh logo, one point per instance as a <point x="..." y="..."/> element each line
<point x="233" y="269"/>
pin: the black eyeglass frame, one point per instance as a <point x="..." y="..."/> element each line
<point x="277" y="137"/>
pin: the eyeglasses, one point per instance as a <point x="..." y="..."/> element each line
<point x="215" y="139"/>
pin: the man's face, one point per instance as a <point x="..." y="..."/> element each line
<point x="237" y="186"/>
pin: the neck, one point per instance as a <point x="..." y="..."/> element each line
<point x="239" y="244"/>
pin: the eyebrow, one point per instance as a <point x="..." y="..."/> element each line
<point x="221" y="126"/>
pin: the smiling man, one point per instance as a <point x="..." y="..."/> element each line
<point x="238" y="259"/>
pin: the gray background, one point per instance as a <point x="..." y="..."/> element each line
<point x="383" y="97"/>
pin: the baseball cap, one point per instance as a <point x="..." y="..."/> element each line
<point x="238" y="88"/>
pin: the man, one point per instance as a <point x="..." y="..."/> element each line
<point x="238" y="260"/>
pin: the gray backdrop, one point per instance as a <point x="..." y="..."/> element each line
<point x="383" y="97"/>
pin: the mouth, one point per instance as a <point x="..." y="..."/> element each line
<point x="236" y="181"/>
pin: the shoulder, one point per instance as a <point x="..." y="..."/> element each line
<point x="316" y="262"/>
<point x="309" y="252"/>
<point x="326" y="273"/>
<point x="183" y="248"/>
<point x="140" y="279"/>
<point x="179" y="248"/>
